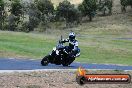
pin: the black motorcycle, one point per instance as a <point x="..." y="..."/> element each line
<point x="59" y="55"/>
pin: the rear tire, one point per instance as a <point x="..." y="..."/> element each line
<point x="45" y="61"/>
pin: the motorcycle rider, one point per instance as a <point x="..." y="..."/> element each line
<point x="73" y="44"/>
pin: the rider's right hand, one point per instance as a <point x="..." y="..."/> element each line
<point x="60" y="41"/>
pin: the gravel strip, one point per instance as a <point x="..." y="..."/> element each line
<point x="53" y="79"/>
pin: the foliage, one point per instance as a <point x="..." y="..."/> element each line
<point x="34" y="17"/>
<point x="124" y="4"/>
<point x="16" y="13"/>
<point x="11" y="22"/>
<point x="67" y="11"/>
<point x="46" y="9"/>
<point x="88" y="8"/>
<point x="45" y="6"/>
<point x="26" y="17"/>
<point x="2" y="11"/>
<point x="104" y="6"/>
<point x="16" y="7"/>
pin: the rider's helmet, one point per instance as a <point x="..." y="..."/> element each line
<point x="72" y="36"/>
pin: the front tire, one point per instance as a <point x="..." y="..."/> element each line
<point x="45" y="61"/>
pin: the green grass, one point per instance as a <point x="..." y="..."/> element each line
<point x="24" y="45"/>
<point x="101" y="50"/>
<point x="93" y="49"/>
<point x="98" y="41"/>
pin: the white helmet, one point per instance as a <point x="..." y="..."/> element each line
<point x="72" y="36"/>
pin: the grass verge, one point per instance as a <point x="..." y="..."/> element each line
<point x="93" y="49"/>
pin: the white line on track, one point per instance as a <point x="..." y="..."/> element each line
<point x="50" y="70"/>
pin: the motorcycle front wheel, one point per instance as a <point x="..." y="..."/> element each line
<point x="45" y="61"/>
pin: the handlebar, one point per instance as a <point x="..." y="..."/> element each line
<point x="60" y="43"/>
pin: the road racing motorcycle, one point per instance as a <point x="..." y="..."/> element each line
<point x="60" y="55"/>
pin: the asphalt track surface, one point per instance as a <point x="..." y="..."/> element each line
<point x="26" y="64"/>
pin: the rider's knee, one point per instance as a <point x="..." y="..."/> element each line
<point x="78" y="50"/>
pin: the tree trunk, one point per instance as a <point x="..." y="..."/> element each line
<point x="0" y="20"/>
<point x="123" y="9"/>
<point x="90" y="18"/>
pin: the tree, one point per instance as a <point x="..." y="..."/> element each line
<point x="34" y="17"/>
<point x="46" y="8"/>
<point x="16" y="13"/>
<point x="124" y="4"/>
<point x="16" y="7"/>
<point x="88" y="8"/>
<point x="105" y="6"/>
<point x="1" y="14"/>
<point x="67" y="11"/>
<point x="40" y="12"/>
